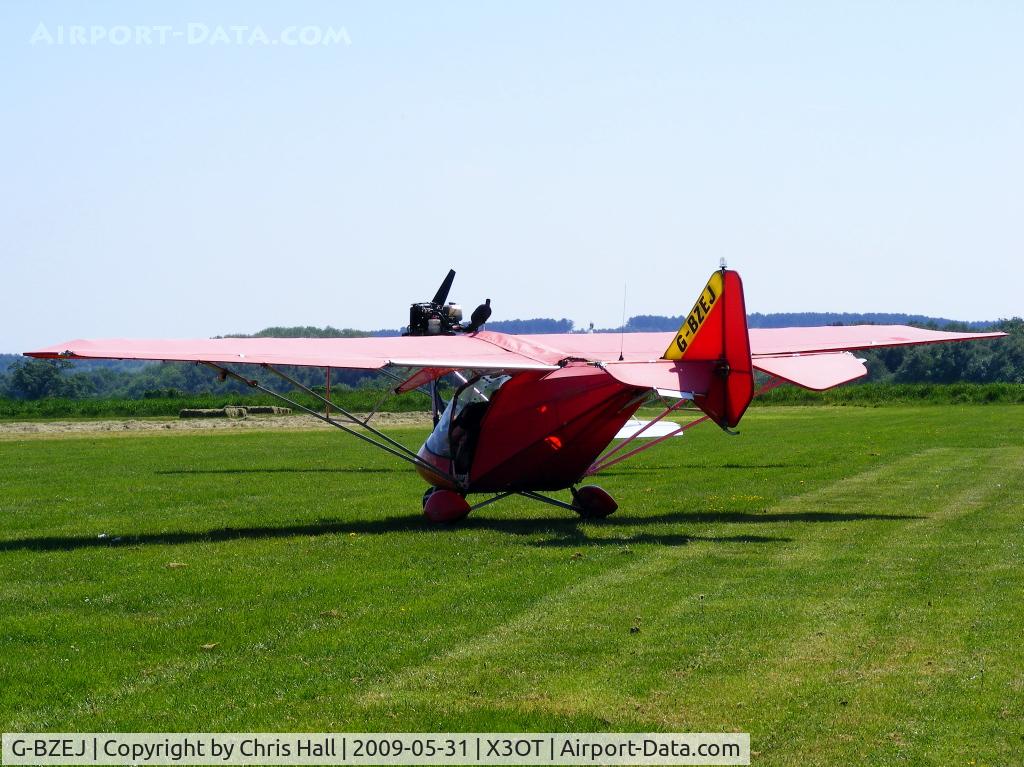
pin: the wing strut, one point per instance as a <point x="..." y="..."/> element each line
<point x="668" y="409"/>
<point x="607" y="461"/>
<point x="602" y="465"/>
<point x="388" y="445"/>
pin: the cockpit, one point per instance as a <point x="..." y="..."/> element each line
<point x="458" y="428"/>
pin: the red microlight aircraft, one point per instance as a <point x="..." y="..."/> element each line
<point x="534" y="414"/>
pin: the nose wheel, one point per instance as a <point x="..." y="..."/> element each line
<point x="593" y="502"/>
<point x="444" y="506"/>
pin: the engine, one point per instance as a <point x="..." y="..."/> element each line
<point x="440" y="317"/>
<point x="431" y="319"/>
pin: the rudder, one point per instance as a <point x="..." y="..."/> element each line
<point x="715" y="330"/>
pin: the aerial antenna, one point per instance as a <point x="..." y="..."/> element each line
<point x="622" y="327"/>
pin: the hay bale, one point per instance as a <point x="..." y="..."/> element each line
<point x="233" y="411"/>
<point x="205" y="412"/>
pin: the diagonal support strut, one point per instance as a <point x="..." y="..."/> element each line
<point x="388" y="445"/>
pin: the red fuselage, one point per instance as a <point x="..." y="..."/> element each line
<point x="541" y="431"/>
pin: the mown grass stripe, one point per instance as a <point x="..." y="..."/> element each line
<point x="544" y="630"/>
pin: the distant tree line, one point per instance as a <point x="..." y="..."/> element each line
<point x="1000" y="361"/>
<point x="304" y="331"/>
<point x="517" y="327"/>
<point x="995" y="361"/>
<point x="36" y="379"/>
<point x="646" y="323"/>
<point x="528" y="327"/>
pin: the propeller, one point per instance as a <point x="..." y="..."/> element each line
<point x="442" y="292"/>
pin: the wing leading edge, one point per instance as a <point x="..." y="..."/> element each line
<point x="459" y="352"/>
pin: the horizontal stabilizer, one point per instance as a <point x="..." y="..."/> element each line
<point x="813" y="371"/>
<point x="660" y="429"/>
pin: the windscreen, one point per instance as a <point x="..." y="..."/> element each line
<point x="477" y="394"/>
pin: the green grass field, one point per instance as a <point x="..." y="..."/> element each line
<point x="846" y="584"/>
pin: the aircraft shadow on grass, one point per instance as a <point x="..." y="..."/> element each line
<point x="401" y="469"/>
<point x="286" y="470"/>
<point x="561" y="531"/>
<point x="706" y="466"/>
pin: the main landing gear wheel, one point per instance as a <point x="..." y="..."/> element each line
<point x="444" y="505"/>
<point x="593" y="502"/>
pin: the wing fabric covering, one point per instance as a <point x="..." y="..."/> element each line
<point x="849" y="338"/>
<point x="451" y="352"/>
<point x="647" y="347"/>
<point x="490" y="351"/>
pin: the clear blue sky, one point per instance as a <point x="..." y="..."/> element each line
<point x="842" y="156"/>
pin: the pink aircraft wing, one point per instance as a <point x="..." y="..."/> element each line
<point x="775" y="341"/>
<point x="809" y="357"/>
<point x="451" y="352"/>
<point x="646" y="347"/>
<point x="804" y="356"/>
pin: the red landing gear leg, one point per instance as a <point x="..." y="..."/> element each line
<point x="444" y="505"/>
<point x="592" y="502"/>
